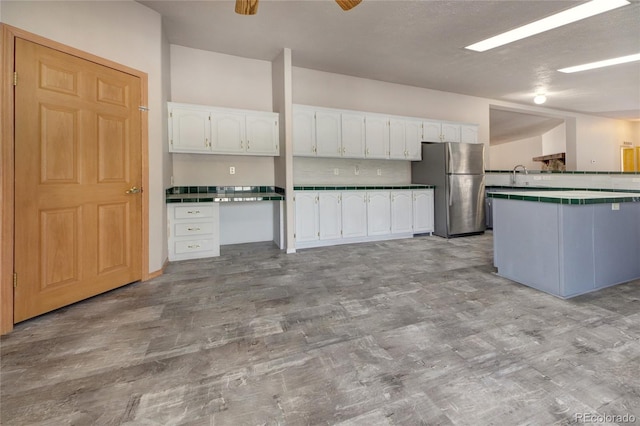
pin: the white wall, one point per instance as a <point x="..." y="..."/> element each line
<point x="505" y="156"/>
<point x="208" y="78"/>
<point x="599" y="141"/>
<point x="555" y="140"/>
<point x="125" y="32"/>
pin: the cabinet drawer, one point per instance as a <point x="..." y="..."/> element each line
<point x="193" y="246"/>
<point x="190" y="212"/>
<point x="185" y="229"/>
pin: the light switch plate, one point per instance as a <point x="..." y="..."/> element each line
<point x="615" y="206"/>
<point x="232" y="170"/>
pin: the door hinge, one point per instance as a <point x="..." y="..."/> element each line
<point x="171" y="115"/>
<point x="15" y="78"/>
<point x="15" y="280"/>
<point x="143" y="108"/>
<point x="294" y="235"/>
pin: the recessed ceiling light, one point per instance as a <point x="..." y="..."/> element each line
<point x="540" y="99"/>
<point x="601" y="64"/>
<point x="568" y="16"/>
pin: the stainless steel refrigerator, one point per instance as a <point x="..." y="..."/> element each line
<point x="457" y="171"/>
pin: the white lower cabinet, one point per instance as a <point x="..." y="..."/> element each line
<point x="378" y="212"/>
<point x="194" y="230"/>
<point x="401" y="212"/>
<point x="354" y="214"/>
<point x="338" y="217"/>
<point x="329" y="215"/>
<point x="306" y="211"/>
<point x="423" y="211"/>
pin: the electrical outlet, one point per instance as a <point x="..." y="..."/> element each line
<point x="379" y="172"/>
<point x="232" y="170"/>
<point x="356" y="170"/>
<point x="615" y="206"/>
<point x="336" y="172"/>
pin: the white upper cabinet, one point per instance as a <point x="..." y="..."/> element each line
<point x="228" y="133"/>
<point x="189" y="130"/>
<point x="304" y="131"/>
<point x="450" y="132"/>
<point x="328" y="134"/>
<point x="413" y="139"/>
<point x="377" y="135"/>
<point x="396" y="139"/>
<point x="203" y="129"/>
<point x="405" y="137"/>
<point x="442" y="131"/>
<point x="431" y="131"/>
<point x="262" y="135"/>
<point x="353" y="134"/>
<point x="469" y="133"/>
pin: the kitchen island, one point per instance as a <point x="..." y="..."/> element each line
<point x="567" y="243"/>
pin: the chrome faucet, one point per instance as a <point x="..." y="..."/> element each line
<point x="513" y="173"/>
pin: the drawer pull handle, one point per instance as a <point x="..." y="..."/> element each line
<point x="193" y="229"/>
<point x="194" y="246"/>
<point x="193" y="212"/>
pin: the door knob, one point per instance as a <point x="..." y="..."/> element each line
<point x="133" y="190"/>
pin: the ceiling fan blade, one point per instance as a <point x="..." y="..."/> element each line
<point x="348" y="4"/>
<point x="247" y="7"/>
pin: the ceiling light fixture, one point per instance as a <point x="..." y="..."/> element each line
<point x="539" y="99"/>
<point x="601" y="64"/>
<point x="568" y="16"/>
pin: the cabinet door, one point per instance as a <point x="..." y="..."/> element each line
<point x="354" y="214"/>
<point x="376" y="136"/>
<point x="423" y="211"/>
<point x="306" y="211"/>
<point x="396" y="139"/>
<point x="450" y="132"/>
<point x="262" y="134"/>
<point x="304" y="132"/>
<point x="468" y="133"/>
<point x="412" y="139"/>
<point x="328" y="134"/>
<point x="401" y="212"/>
<point x="352" y="135"/>
<point x="431" y="131"/>
<point x="189" y="130"/>
<point x="330" y="215"/>
<point x="378" y="213"/>
<point x="228" y="133"/>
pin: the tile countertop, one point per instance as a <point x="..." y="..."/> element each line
<point x="223" y="194"/>
<point x="568" y="197"/>
<point x="358" y="187"/>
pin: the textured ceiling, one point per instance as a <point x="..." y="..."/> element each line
<point x="421" y="43"/>
<point x="509" y="126"/>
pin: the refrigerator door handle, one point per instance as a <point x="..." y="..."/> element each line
<point x="450" y="190"/>
<point x="449" y="159"/>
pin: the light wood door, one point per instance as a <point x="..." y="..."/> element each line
<point x="77" y="151"/>
<point x="627" y="155"/>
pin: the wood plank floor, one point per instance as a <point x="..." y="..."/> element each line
<point x="408" y="332"/>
